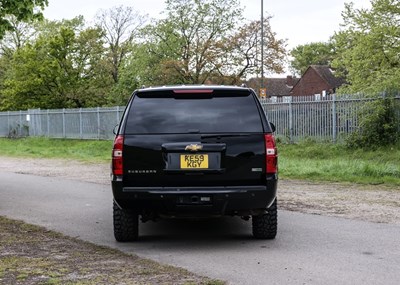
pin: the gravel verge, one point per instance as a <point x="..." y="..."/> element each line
<point x="33" y="255"/>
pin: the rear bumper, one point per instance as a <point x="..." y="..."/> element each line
<point x="196" y="201"/>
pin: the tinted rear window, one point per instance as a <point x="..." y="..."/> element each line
<point x="168" y="113"/>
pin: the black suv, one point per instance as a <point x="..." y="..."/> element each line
<point x="194" y="151"/>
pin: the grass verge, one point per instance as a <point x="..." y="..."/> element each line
<point x="82" y="150"/>
<point x="336" y="163"/>
<point x="33" y="255"/>
<point x="306" y="160"/>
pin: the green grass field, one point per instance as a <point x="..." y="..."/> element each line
<point x="329" y="162"/>
<point x="83" y="150"/>
<point x="306" y="161"/>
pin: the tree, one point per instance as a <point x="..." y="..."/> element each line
<point x="13" y="40"/>
<point x="121" y="27"/>
<point x="190" y="35"/>
<point x="206" y="42"/>
<point x="368" y="48"/>
<point x="318" y="53"/>
<point x="23" y="10"/>
<point x="17" y="37"/>
<point x="140" y="68"/>
<point x="60" y="69"/>
<point x="241" y="53"/>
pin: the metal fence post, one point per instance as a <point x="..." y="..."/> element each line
<point x="80" y="124"/>
<point x="48" y="123"/>
<point x="37" y="123"/>
<point x="31" y="123"/>
<point x="290" y="121"/>
<point x="20" y="124"/>
<point x="334" y="116"/>
<point x="63" y="123"/>
<point x="8" y="122"/>
<point x="98" y="123"/>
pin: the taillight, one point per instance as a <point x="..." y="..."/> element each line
<point x="271" y="154"/>
<point x="117" y="166"/>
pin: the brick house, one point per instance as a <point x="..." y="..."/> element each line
<point x="315" y="80"/>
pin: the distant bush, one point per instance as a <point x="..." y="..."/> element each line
<point x="378" y="124"/>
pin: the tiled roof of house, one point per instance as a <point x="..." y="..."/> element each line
<point x="327" y="74"/>
<point x="274" y="86"/>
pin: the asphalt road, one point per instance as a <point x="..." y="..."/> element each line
<point x="309" y="249"/>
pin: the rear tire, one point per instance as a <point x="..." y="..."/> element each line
<point x="126" y="224"/>
<point x="265" y="226"/>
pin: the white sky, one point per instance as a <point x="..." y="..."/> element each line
<point x="299" y="22"/>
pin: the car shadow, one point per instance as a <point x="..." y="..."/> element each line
<point x="199" y="233"/>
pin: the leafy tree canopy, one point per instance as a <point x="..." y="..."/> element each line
<point x="318" y="53"/>
<point x="368" y="48"/>
<point x="121" y="26"/>
<point x="207" y="42"/>
<point x="23" y="10"/>
<point x="60" y="69"/>
<point x="62" y="64"/>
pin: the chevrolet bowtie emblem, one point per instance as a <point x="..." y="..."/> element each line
<point x="194" y="147"/>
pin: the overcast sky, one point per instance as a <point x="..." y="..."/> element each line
<point x="299" y="22"/>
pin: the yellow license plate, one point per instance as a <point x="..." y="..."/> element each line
<point x="194" y="161"/>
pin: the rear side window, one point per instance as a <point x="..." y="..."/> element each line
<point x="168" y="113"/>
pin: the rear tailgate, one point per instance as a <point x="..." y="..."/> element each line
<point x="194" y="159"/>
